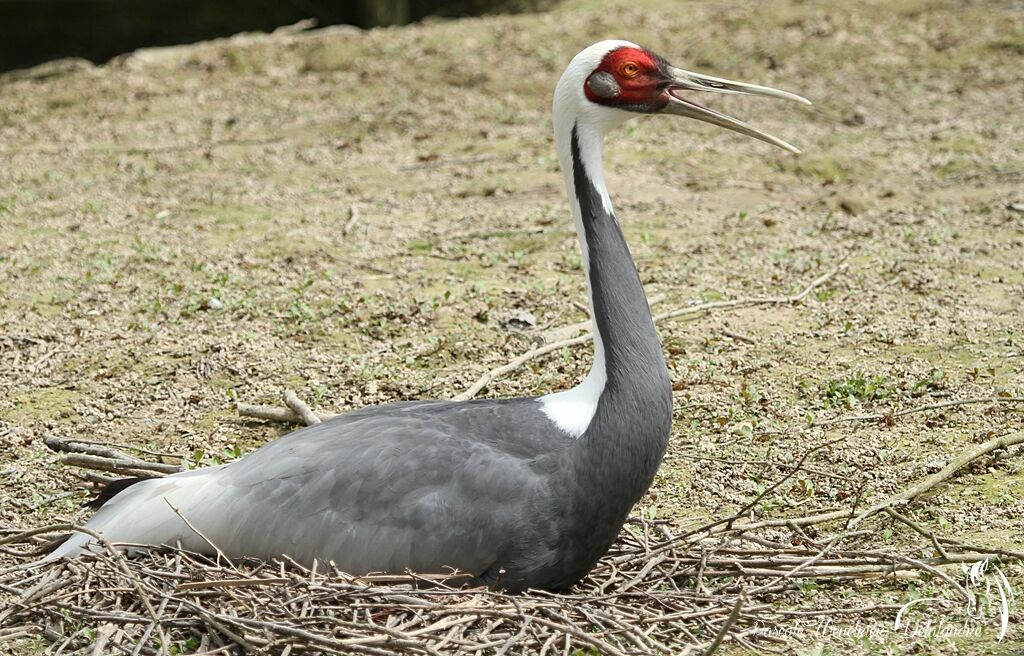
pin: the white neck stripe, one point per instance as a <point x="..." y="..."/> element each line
<point x="572" y="410"/>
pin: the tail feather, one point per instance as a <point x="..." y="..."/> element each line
<point x="109" y="491"/>
<point x="138" y="512"/>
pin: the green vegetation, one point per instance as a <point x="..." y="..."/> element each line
<point x="848" y="392"/>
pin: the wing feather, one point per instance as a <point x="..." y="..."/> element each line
<point x="424" y="486"/>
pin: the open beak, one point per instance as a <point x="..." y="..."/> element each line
<point x="687" y="81"/>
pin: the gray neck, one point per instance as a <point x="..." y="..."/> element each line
<point x="632" y="357"/>
<point x="621" y="447"/>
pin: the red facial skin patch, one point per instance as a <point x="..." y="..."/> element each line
<point x="640" y="77"/>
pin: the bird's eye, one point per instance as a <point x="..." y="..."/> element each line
<point x="630" y="69"/>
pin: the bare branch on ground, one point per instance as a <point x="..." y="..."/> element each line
<point x="299" y="407"/>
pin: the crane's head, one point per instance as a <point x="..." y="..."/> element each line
<point x="612" y="80"/>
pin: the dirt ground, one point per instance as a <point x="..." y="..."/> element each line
<point x="358" y="215"/>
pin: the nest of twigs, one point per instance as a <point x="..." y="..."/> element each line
<point x="655" y="592"/>
<point x="637" y="601"/>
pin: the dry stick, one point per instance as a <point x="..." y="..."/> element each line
<point x="130" y="447"/>
<point x="642" y="574"/>
<point x="1008" y="553"/>
<point x="82" y="453"/>
<point x="1001" y="442"/>
<point x="42" y="530"/>
<point x="625" y="628"/>
<point x="739" y="337"/>
<point x="846" y="533"/>
<point x="300" y="408"/>
<point x="229" y="583"/>
<point x="273" y="413"/>
<point x="807" y="564"/>
<point x="80" y="634"/>
<point x="93" y="477"/>
<point x="920" y="529"/>
<point x="220" y="554"/>
<point x="517" y="362"/>
<point x="1004" y="441"/>
<point x="212" y="620"/>
<point x="132" y="467"/>
<point x="353" y="219"/>
<point x="748" y="302"/>
<point x="726" y="625"/>
<point x="136" y="582"/>
<point x="49" y="584"/>
<point x="565" y="332"/>
<point x="570" y="629"/>
<point x="860" y="610"/>
<point x="525" y="619"/>
<point x="830" y="571"/>
<point x="12" y="632"/>
<point x="440" y="163"/>
<point x="929" y="567"/>
<point x="402" y="602"/>
<point x="163" y="605"/>
<point x="728" y="521"/>
<point x="55" y="443"/>
<point x="16" y="632"/>
<point x="314" y="638"/>
<point x="923" y="408"/>
<point x="806" y="520"/>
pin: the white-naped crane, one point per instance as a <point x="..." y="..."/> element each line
<point x="518" y="493"/>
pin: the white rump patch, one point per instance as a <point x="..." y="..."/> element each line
<point x="573" y="409"/>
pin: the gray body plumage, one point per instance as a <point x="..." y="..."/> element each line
<point x="497" y="489"/>
<point x="479" y="486"/>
